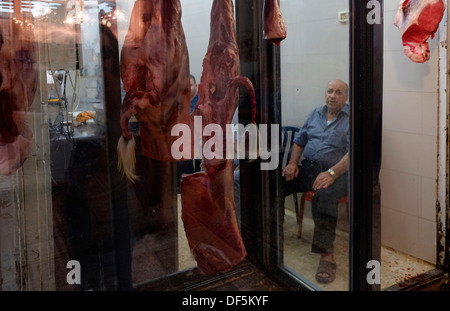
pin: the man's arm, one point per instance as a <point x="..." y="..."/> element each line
<point x="341" y="167"/>
<point x="324" y="179"/>
<point x="291" y="170"/>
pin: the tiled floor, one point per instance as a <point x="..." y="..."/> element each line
<point x="396" y="267"/>
<point x="299" y="258"/>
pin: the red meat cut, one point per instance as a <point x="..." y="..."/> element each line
<point x="417" y="20"/>
<point x="274" y="24"/>
<point x="210" y="221"/>
<point x="18" y="85"/>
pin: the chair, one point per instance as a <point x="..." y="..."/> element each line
<point x="308" y="196"/>
<point x="287" y="141"/>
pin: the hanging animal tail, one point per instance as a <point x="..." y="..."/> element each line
<point x="248" y="85"/>
<point x="127" y="157"/>
<point x="241" y="81"/>
<point x="126" y="147"/>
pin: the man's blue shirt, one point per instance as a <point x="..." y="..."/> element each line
<point x="193" y="103"/>
<point x="322" y="142"/>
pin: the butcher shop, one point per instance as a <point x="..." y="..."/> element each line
<point x="224" y="145"/>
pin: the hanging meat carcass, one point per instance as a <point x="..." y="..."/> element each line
<point x="18" y="85"/>
<point x="275" y="29"/>
<point x="208" y="207"/>
<point x="155" y="74"/>
<point x="417" y="20"/>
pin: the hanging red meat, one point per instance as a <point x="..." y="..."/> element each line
<point x="18" y="85"/>
<point x="210" y="221"/>
<point x="417" y="21"/>
<point x="274" y="25"/>
<point x="208" y="207"/>
<point x="155" y="74"/>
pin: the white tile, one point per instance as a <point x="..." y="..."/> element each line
<point x="409" y="153"/>
<point x="400" y="152"/>
<point x="427" y="240"/>
<point x="430" y="106"/>
<point x="405" y="75"/>
<point x="390" y="5"/>
<point x="428" y="199"/>
<point x="427" y="155"/>
<point x="330" y="37"/>
<point x="400" y="192"/>
<point x="400" y="231"/>
<point x="402" y="111"/>
<point x="294" y="10"/>
<point x="392" y="40"/>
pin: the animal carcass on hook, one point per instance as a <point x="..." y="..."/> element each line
<point x="155" y="73"/>
<point x="18" y="85"/>
<point x="208" y="207"/>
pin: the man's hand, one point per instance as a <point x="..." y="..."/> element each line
<point x="323" y="181"/>
<point x="290" y="171"/>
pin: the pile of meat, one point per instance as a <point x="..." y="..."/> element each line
<point x="417" y="20"/>
<point x="18" y="84"/>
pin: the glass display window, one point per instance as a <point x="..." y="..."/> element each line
<point x="187" y="144"/>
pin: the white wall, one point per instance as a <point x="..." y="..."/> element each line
<point x="195" y="18"/>
<point x="315" y="51"/>
<point x="409" y="161"/>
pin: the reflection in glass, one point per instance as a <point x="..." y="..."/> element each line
<point x="314" y="53"/>
<point x="159" y="240"/>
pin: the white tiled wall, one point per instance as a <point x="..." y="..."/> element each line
<point x="409" y="161"/>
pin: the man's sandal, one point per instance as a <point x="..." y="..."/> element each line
<point x="326" y="272"/>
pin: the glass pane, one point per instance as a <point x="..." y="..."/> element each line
<point x="158" y="243"/>
<point x="64" y="77"/>
<point x="61" y="92"/>
<point x="314" y="94"/>
<point x="82" y="205"/>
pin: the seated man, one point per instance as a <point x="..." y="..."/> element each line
<point x="323" y="142"/>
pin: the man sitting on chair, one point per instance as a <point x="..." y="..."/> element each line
<point x="323" y="141"/>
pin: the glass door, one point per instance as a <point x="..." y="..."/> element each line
<point x="315" y="120"/>
<point x="327" y="58"/>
